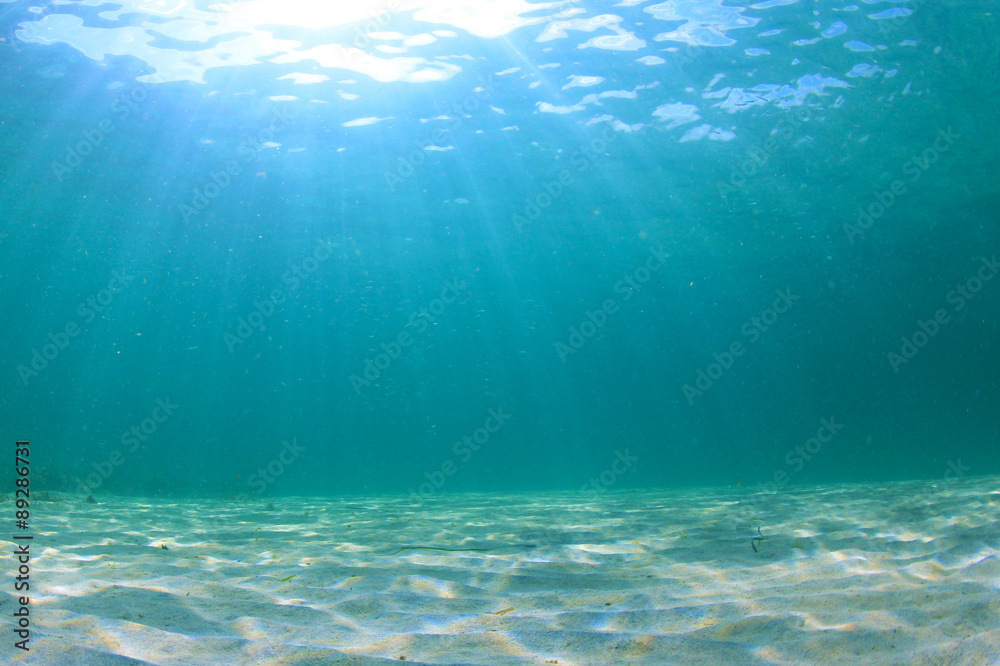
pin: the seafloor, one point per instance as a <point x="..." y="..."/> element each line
<point x="903" y="573"/>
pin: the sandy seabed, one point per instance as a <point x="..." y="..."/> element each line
<point x="904" y="573"/>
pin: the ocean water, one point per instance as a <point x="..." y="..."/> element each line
<point x="266" y="249"/>
<point x="423" y="256"/>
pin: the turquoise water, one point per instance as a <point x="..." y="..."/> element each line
<point x="263" y="249"/>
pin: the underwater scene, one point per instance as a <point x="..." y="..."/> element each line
<point x="500" y="332"/>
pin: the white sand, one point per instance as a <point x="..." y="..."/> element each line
<point x="890" y="574"/>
